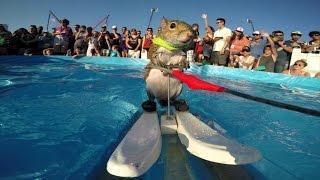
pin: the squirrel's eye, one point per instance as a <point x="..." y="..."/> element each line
<point x="173" y="25"/>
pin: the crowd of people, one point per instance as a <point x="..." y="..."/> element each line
<point x="222" y="46"/>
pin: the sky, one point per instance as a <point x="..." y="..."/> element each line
<point x="267" y="15"/>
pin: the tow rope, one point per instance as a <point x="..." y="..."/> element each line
<point x="195" y="83"/>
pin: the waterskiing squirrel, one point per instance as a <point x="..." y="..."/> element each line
<point x="167" y="52"/>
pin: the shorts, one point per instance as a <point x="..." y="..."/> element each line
<point x="219" y="59"/>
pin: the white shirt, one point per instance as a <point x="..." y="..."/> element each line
<point x="224" y="33"/>
<point x="246" y="62"/>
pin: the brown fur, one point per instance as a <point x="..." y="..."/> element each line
<point x="170" y="35"/>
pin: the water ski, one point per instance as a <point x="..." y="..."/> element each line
<point x="207" y="143"/>
<point x="139" y="149"/>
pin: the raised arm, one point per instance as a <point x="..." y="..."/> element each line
<point x="205" y="18"/>
<point x="273" y="49"/>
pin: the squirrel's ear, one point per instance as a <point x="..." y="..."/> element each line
<point x="163" y="22"/>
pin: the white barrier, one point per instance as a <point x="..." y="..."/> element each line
<point x="144" y="54"/>
<point x="313" y="60"/>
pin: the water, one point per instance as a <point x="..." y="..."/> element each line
<point x="62" y="118"/>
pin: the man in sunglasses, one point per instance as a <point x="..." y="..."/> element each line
<point x="284" y="50"/>
<point x="298" y="69"/>
<point x="221" y="46"/>
<point x="314" y="44"/>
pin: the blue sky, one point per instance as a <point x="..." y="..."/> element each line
<point x="266" y="15"/>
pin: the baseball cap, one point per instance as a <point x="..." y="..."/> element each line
<point x="114" y="27"/>
<point x="296" y="32"/>
<point x="256" y="32"/>
<point x="240" y="29"/>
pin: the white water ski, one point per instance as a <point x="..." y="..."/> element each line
<point x="207" y="143"/>
<point x="139" y="149"/>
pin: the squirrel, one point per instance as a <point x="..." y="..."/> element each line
<point x="167" y="52"/>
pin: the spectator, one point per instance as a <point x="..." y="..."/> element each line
<point x="297" y="69"/>
<point x="147" y="40"/>
<point x="104" y="43"/>
<point x="222" y="39"/>
<point x="76" y="29"/>
<point x="196" y="38"/>
<point x="16" y="44"/>
<point x="257" y="45"/>
<point x="114" y="51"/>
<point x="30" y="40"/>
<point x="267" y="61"/>
<point x="317" y="75"/>
<point x="62" y="36"/>
<point x="283" y="51"/>
<point x="294" y="42"/>
<point x="114" y="36"/>
<point x="93" y="45"/>
<point x="5" y="37"/>
<point x="245" y="60"/>
<point x="199" y="51"/>
<point x="73" y="37"/>
<point x="314" y="44"/>
<point x="123" y="46"/>
<point x="133" y="43"/>
<point x="237" y="42"/>
<point x="78" y="52"/>
<point x="208" y="41"/>
<point x="47" y="52"/>
<point x="40" y="30"/>
<point x="45" y="41"/>
<point x="80" y="38"/>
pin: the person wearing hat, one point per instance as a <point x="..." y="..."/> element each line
<point x="314" y="44"/>
<point x="114" y="36"/>
<point x="237" y="42"/>
<point x="259" y="40"/>
<point x="298" y="69"/>
<point x="294" y="42"/>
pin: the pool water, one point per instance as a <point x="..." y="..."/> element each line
<point x="62" y="118"/>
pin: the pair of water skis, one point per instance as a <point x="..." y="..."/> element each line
<point x="141" y="146"/>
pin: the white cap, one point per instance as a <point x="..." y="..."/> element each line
<point x="114" y="27"/>
<point x="240" y="29"/>
<point x="256" y="32"/>
<point x="296" y="32"/>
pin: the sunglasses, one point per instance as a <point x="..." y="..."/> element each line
<point x="298" y="64"/>
<point x="245" y="50"/>
<point x="256" y="34"/>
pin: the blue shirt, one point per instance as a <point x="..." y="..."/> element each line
<point x="257" y="48"/>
